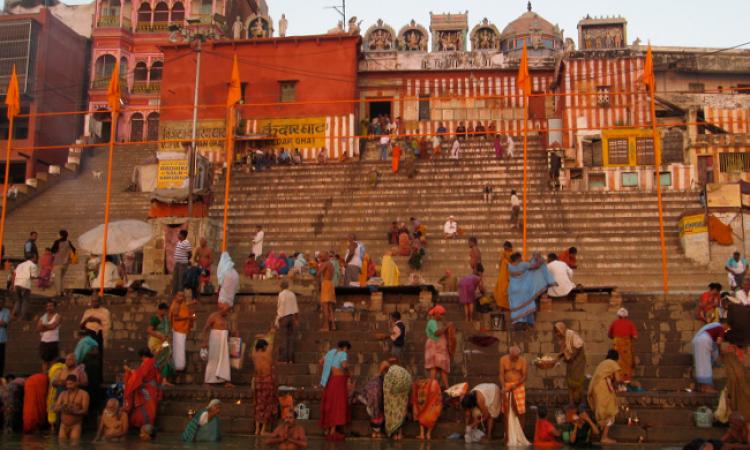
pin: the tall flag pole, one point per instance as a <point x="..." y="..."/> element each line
<point x="13" y="106"/>
<point x="524" y="83"/>
<point x="234" y="96"/>
<point x="113" y="99"/>
<point x="650" y="80"/>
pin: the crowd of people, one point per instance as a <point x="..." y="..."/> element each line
<point x="67" y="392"/>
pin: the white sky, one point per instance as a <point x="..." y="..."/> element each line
<point x="694" y="23"/>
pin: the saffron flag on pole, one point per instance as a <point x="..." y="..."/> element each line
<point x="524" y="79"/>
<point x="12" y="98"/>
<point x="648" y="68"/>
<point x="113" y="90"/>
<point x="235" y="85"/>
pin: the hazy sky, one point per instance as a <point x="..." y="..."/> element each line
<point x="717" y="23"/>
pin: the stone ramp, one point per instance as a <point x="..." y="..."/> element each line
<point x="313" y="207"/>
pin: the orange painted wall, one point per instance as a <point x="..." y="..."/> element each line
<point x="325" y="68"/>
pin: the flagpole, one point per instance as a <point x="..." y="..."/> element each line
<point x="7" y="178"/>
<point x="525" y="164"/>
<point x="657" y="157"/>
<point x="112" y="137"/>
<point x="230" y="160"/>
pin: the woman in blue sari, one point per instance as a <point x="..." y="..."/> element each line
<point x="527" y="281"/>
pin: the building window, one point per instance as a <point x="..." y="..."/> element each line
<point x="697" y="88"/>
<point x="617" y="152"/>
<point x="178" y="13"/>
<point x="644" y="151"/>
<point x="424" y="107"/>
<point x="743" y="89"/>
<point x="136" y="127"/>
<point x="156" y="69"/>
<point x="672" y="147"/>
<point x="734" y="162"/>
<point x="152" y="123"/>
<point x="630" y="179"/>
<point x="665" y="178"/>
<point x="597" y="180"/>
<point x="602" y="96"/>
<point x="288" y="90"/>
<point x="20" y="124"/>
<point x="592" y="153"/>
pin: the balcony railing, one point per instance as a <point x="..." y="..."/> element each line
<point x="156" y="27"/>
<point x="146" y="87"/>
<point x="113" y="22"/>
<point x="103" y="83"/>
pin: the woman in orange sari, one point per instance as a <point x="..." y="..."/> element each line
<point x="142" y="392"/>
<point x="35" y="401"/>
<point x="427" y="404"/>
<point x="396" y="157"/>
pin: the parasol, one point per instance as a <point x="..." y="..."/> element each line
<point x="123" y="236"/>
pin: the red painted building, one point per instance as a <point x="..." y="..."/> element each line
<point x="50" y="60"/>
<point x="307" y="81"/>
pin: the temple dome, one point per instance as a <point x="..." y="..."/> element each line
<point x="539" y="33"/>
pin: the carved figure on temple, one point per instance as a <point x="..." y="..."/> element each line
<point x="257" y="30"/>
<point x="339" y="29"/>
<point x="449" y="41"/>
<point x="412" y="38"/>
<point x="283" y="24"/>
<point x="354" y="26"/>
<point x="237" y="28"/>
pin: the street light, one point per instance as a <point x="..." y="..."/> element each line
<point x="196" y="38"/>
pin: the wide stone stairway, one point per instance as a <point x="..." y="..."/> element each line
<point x="314" y="207"/>
<point x="77" y="204"/>
<point x="661" y="413"/>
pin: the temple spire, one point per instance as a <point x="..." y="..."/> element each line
<point x="529" y="6"/>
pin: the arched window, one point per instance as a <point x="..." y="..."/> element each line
<point x="178" y="13"/>
<point x="103" y="68"/>
<point x="206" y="6"/>
<point x="111" y="8"/>
<point x="144" y="14"/>
<point x="136" y="127"/>
<point x="156" y="68"/>
<point x="161" y="13"/>
<point x="153" y="126"/>
<point x="140" y="73"/>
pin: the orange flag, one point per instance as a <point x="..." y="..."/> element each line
<point x="648" y="68"/>
<point x="12" y="98"/>
<point x="524" y="79"/>
<point x="113" y="90"/>
<point x="235" y="84"/>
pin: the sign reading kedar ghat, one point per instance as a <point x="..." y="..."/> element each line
<point x="309" y="132"/>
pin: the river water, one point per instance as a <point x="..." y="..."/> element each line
<point x="173" y="442"/>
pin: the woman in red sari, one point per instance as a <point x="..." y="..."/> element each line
<point x="142" y="391"/>
<point x="427" y="404"/>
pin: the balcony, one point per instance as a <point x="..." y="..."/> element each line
<point x="155" y="27"/>
<point x="113" y="22"/>
<point x="102" y="83"/>
<point x="146" y="87"/>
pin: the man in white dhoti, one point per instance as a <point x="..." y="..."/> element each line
<point x="216" y="343"/>
<point x="258" y="242"/>
<point x="455" y="150"/>
<point x="229" y="281"/>
<point x="181" y="318"/>
<point x="563" y="275"/>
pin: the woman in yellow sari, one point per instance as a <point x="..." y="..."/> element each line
<point x="53" y="392"/>
<point x="503" y="278"/>
<point x="389" y="269"/>
<point x="602" y="394"/>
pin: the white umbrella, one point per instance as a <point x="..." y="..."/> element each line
<point x="123" y="236"/>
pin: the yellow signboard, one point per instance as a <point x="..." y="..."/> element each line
<point x="308" y="132"/>
<point x="172" y="173"/>
<point x="693" y="224"/>
<point x="209" y="135"/>
<point x="724" y="195"/>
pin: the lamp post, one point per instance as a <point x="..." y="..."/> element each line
<point x="195" y="38"/>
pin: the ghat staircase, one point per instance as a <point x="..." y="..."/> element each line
<point x="663" y="410"/>
<point x="314" y="207"/>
